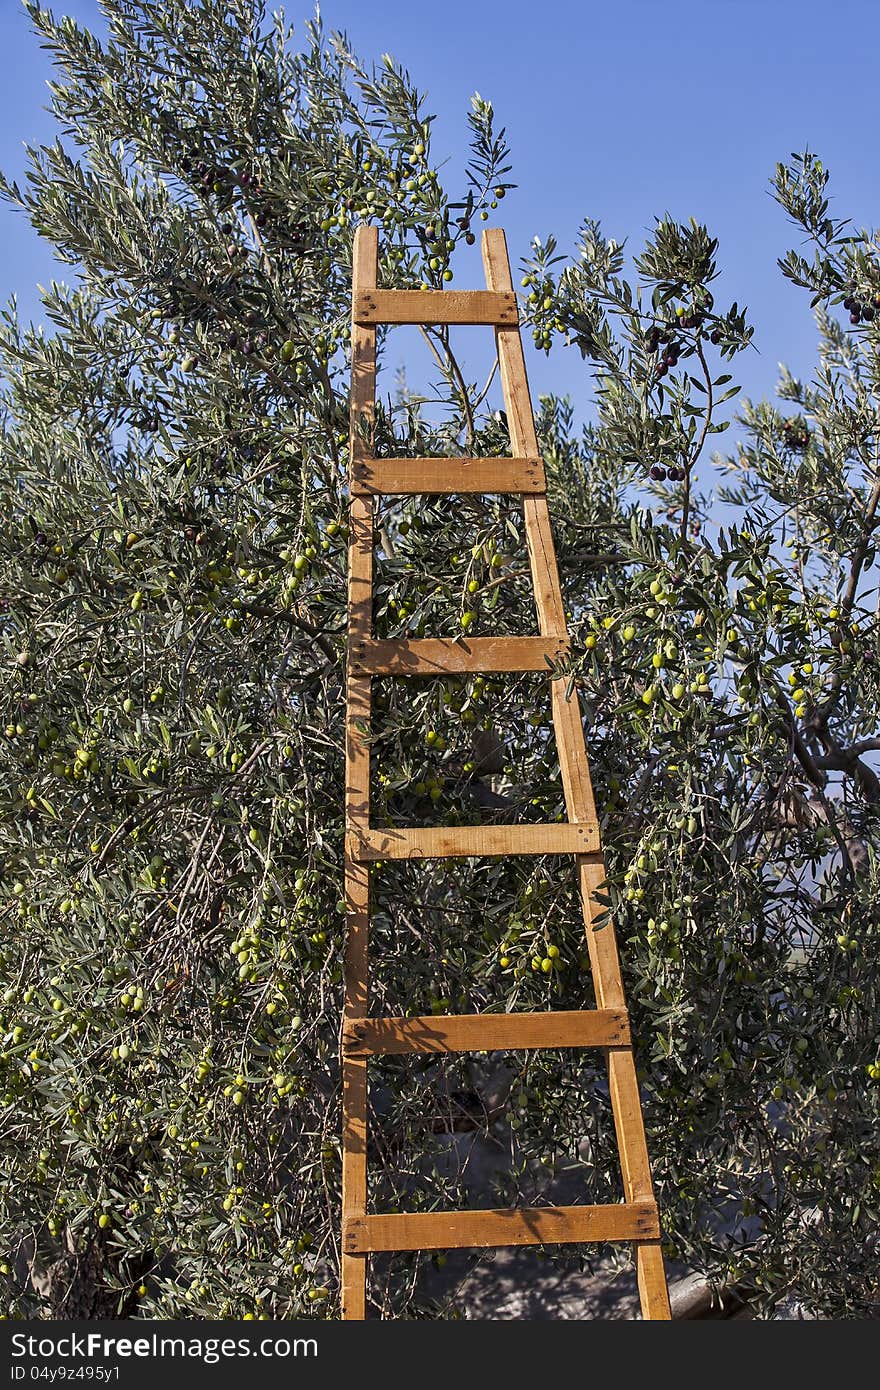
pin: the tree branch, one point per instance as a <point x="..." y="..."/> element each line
<point x="824" y="712"/>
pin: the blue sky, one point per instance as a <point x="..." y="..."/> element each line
<point x="617" y="111"/>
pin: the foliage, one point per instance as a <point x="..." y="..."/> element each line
<point x="172" y="478"/>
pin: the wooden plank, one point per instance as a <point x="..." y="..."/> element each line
<point x="463" y="1230"/>
<point x="362" y="409"/>
<point x="360" y="569"/>
<point x="521" y="427"/>
<point x="485" y="1032"/>
<point x="432" y="656"/>
<point x="472" y="841"/>
<point x="608" y="984"/>
<point x="355" y="1079"/>
<point x="362" y="401"/>
<point x="357" y="753"/>
<point x="357" y="788"/>
<point x="435" y="306"/>
<point x="409" y="477"/>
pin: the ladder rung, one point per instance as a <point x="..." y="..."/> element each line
<point x="461" y="1230"/>
<point x="435" y="306"/>
<point x="365" y="1037"/>
<point x="473" y="841"/>
<point x="430" y="656"/>
<point x="402" y="477"/>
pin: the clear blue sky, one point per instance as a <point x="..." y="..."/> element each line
<point x="618" y="111"/>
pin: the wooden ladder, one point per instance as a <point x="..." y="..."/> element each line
<point x="605" y="1027"/>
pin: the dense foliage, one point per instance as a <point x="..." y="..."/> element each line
<point x="172" y="588"/>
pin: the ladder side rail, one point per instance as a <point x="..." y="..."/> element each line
<point x="357" y="784"/>
<point x="577" y="786"/>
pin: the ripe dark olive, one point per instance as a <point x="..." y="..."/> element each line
<point x="868" y="314"/>
<point x="855" y="316"/>
<point x="657" y="473"/>
<point x="715" y="336"/>
<point x="251" y="318"/>
<point x="470" y="238"/>
<point x="247" y="347"/>
<point x="232" y="340"/>
<point x="849" y="303"/>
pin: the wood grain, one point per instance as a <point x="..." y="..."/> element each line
<point x="523" y="440"/>
<point x="435" y="306"/>
<point x="486" y="1032"/>
<point x="461" y="1230"/>
<point x="410" y="477"/>
<point x="357" y="786"/>
<point x="472" y="841"/>
<point x="432" y="656"/>
<point x="362" y="410"/>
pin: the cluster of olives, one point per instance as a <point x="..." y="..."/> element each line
<point x="692" y="316"/>
<point x="795" y="434"/>
<point x="465" y="225"/>
<point x="219" y="178"/>
<point x="861" y="310"/>
<point x="437" y="245"/>
<point x="669" y="358"/>
<point x="222" y="180"/>
<point x="208" y="175"/>
<point x="247" y="342"/>
<point x="660" y="474"/>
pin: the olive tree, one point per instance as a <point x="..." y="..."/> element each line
<point x="173" y="466"/>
